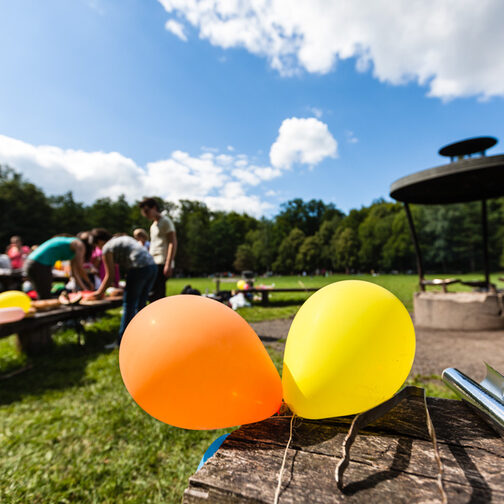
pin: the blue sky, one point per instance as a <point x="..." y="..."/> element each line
<point x="243" y="104"/>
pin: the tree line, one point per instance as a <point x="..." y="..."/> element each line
<point x="305" y="236"/>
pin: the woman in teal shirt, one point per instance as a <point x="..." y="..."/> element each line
<point x="38" y="265"/>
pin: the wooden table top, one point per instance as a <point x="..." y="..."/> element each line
<point x="392" y="461"/>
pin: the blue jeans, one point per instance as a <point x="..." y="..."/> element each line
<point x="139" y="282"/>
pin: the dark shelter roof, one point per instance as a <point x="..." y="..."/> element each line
<point x="468" y="147"/>
<point x="458" y="182"/>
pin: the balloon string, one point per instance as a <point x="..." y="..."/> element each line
<point x="432" y="432"/>
<point x="363" y="419"/>
<point x="279" y="486"/>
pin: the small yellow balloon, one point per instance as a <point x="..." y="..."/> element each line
<point x="350" y="347"/>
<point x="241" y="284"/>
<point x="15" y="299"/>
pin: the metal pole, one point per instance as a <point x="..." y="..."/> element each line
<point x="485" y="242"/>
<point x="416" y="245"/>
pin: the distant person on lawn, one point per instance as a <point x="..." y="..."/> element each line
<point x="17" y="252"/>
<point x="163" y="244"/>
<point x="39" y="264"/>
<point x="140" y="270"/>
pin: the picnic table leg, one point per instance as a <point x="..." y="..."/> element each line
<point x="36" y="341"/>
<point x="264" y="297"/>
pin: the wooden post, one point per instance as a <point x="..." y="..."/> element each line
<point x="484" y="223"/>
<point x="36" y="341"/>
<point x="264" y="297"/>
<point x="416" y="245"/>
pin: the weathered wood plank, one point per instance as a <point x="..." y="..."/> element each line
<point x="385" y="466"/>
<point x="396" y="470"/>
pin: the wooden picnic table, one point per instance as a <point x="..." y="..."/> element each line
<point x="11" y="279"/>
<point x="265" y="292"/>
<point x="392" y="460"/>
<point x="34" y="331"/>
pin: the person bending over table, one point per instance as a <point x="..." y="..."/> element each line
<point x="38" y="265"/>
<point x="140" y="270"/>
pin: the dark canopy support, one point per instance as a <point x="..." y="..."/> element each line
<point x="418" y="253"/>
<point x="484" y="223"/>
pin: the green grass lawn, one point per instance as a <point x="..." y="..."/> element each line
<point x="71" y="433"/>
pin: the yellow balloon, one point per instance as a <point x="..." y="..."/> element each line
<point x="15" y="299"/>
<point x="350" y="347"/>
<point x="241" y="284"/>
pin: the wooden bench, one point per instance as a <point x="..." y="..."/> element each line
<point x="266" y="292"/>
<point x="444" y="282"/>
<point x="438" y="282"/>
<point x="34" y="332"/>
<point x="480" y="284"/>
<point x="11" y="280"/>
<point x="391" y="460"/>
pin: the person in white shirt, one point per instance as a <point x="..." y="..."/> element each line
<point x="163" y="244"/>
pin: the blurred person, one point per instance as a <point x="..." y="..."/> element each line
<point x="89" y="267"/>
<point x="141" y="236"/>
<point x="163" y="244"/>
<point x="140" y="269"/>
<point x="17" y="252"/>
<point x="38" y="265"/>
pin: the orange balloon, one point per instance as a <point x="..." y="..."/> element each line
<point x="192" y="362"/>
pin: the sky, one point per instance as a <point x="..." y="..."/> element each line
<point x="244" y="104"/>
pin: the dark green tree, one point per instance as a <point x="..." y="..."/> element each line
<point x="324" y="236"/>
<point x="262" y="243"/>
<point x="374" y="232"/>
<point x="309" y="256"/>
<point x="398" y="252"/>
<point x="116" y="216"/>
<point x="286" y="260"/>
<point x="227" y="232"/>
<point x="194" y="253"/>
<point x="24" y="208"/>
<point x="69" y="216"/>
<point x="306" y="216"/>
<point x="345" y="250"/>
<point x="244" y="259"/>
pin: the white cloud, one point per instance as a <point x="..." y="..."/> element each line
<point x="350" y="137"/>
<point x="90" y="175"/>
<point x="97" y="6"/>
<point x="213" y="150"/>
<point x="266" y="172"/>
<point x="176" y="28"/>
<point x="249" y="204"/>
<point x="452" y="46"/>
<point x="224" y="159"/>
<point x="246" y="176"/>
<point x="307" y="141"/>
<point x="318" y="113"/>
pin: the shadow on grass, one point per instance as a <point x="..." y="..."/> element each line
<point x="63" y="365"/>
